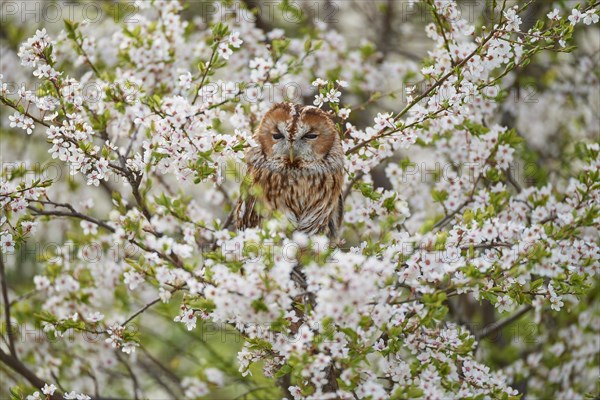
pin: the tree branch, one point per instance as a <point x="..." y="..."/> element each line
<point x="426" y="93"/>
<point x="25" y="372"/>
<point x="72" y="214"/>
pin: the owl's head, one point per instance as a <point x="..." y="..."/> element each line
<point x="297" y="135"/>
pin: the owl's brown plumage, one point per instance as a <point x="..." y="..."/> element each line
<point x="297" y="168"/>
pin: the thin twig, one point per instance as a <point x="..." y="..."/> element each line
<point x="9" y="330"/>
<point x="141" y="310"/>
<point x="448" y="217"/>
<point x="490" y="330"/>
<point x="512" y="181"/>
<point x="253" y="390"/>
<point x="168" y="372"/>
<point x="154" y="374"/>
<point x="134" y="379"/>
<point x="442" y="30"/>
<point x="348" y="190"/>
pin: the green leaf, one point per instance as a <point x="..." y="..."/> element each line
<point x="536" y="284"/>
<point x="70" y="28"/>
<point x="16" y="393"/>
<point x="510" y="137"/>
<point x="414" y="392"/>
<point x="439" y="196"/>
<point x="280" y="46"/>
<point x="468" y="217"/>
<point x="307" y="45"/>
<point x="368" y="191"/>
<point x="259" y="305"/>
<point x="286" y="369"/>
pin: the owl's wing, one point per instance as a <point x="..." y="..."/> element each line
<point x="246" y="214"/>
<point x="337" y="218"/>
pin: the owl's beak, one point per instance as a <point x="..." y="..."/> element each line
<point x="291" y="154"/>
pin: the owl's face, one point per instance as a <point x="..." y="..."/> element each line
<point x="296" y="135"/>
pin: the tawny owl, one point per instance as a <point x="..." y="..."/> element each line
<point x="297" y="168"/>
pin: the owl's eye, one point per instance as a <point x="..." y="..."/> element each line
<point x="310" y="136"/>
<point x="277" y="136"/>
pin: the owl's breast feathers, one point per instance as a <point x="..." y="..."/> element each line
<point x="310" y="196"/>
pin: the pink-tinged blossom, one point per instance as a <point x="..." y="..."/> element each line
<point x="76" y="396"/>
<point x="554" y="14"/>
<point x="49" y="389"/>
<point x="504" y="303"/>
<point x="513" y="20"/>
<point x="7" y="243"/>
<point x="194" y="387"/>
<point x="591" y="17"/>
<point x="575" y="16"/>
<point x="234" y="40"/>
<point x="187" y="317"/>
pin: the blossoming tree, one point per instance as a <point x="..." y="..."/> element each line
<point x="469" y="262"/>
